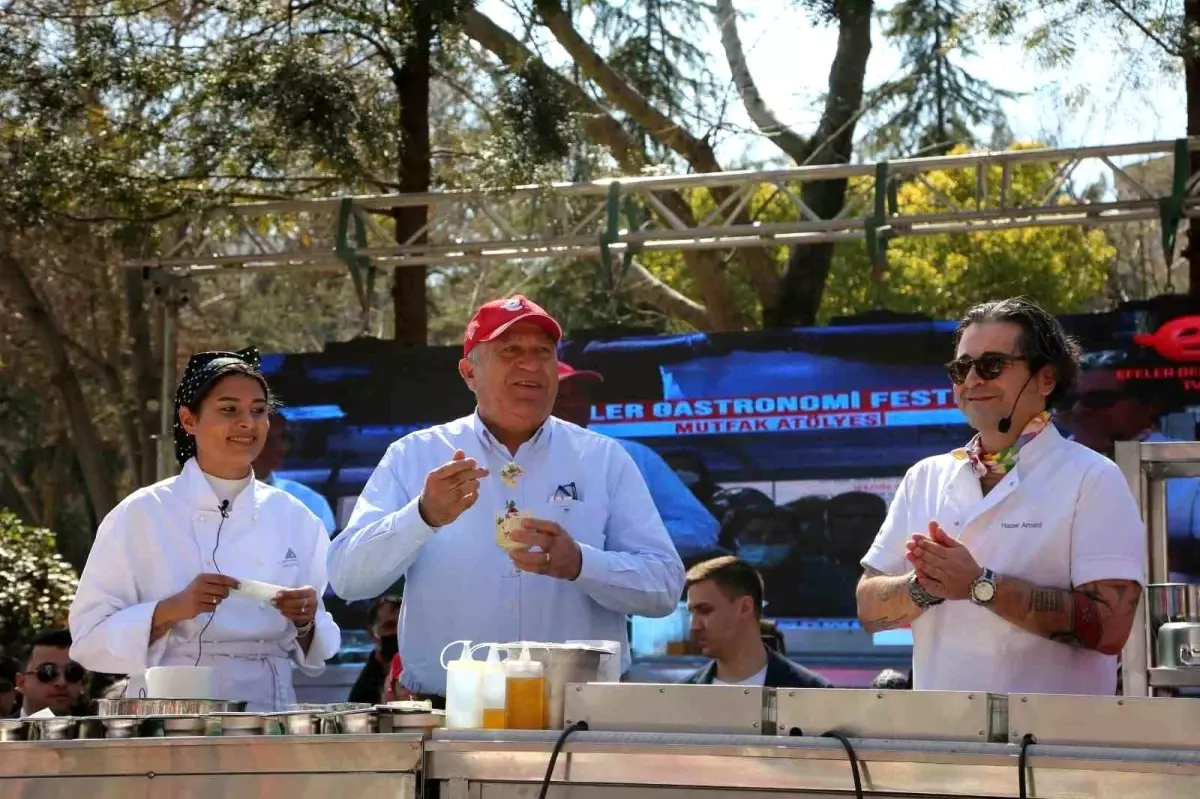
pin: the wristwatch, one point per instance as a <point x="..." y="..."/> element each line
<point x="920" y="597"/>
<point x="983" y="590"/>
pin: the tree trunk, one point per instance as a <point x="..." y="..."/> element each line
<point x="145" y="380"/>
<point x="803" y="283"/>
<point x="1191" y="79"/>
<point x="97" y="477"/>
<point x="408" y="282"/>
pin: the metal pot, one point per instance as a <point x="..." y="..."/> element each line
<point x="563" y="664"/>
<point x="1172" y="602"/>
<point x="174" y="726"/>
<point x="12" y="730"/>
<point x="1179" y="645"/>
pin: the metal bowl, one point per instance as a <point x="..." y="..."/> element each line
<point x="167" y="707"/>
<point x="334" y="707"/>
<point x="121" y="726"/>
<point x="13" y="730"/>
<point x="90" y="727"/>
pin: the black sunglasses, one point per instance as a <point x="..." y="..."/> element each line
<point x="988" y="366"/>
<point x="48" y="672"/>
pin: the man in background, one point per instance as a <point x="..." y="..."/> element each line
<point x="50" y="679"/>
<point x="1104" y="410"/>
<point x="272" y="457"/>
<point x="383" y="619"/>
<point x="725" y="597"/>
<point x="692" y="528"/>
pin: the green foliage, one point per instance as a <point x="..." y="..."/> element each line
<point x="1065" y="268"/>
<point x="936" y="103"/>
<point x="36" y="585"/>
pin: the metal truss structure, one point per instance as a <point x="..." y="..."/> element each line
<point x="626" y="216"/>
<point x="632" y="215"/>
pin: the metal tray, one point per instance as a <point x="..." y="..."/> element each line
<point x="167" y="707"/>
<point x="1138" y="722"/>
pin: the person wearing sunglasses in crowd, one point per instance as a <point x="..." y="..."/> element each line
<point x="51" y="680"/>
<point x="1018" y="560"/>
<point x="9" y="669"/>
<point x="158" y="586"/>
<point x="1104" y="410"/>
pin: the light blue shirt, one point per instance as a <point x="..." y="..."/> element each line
<point x="460" y="585"/>
<point x="693" y="529"/>
<point x="311" y="499"/>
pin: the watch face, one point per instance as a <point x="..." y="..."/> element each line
<point x="983" y="591"/>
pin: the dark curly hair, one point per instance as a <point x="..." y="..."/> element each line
<point x="1043" y="341"/>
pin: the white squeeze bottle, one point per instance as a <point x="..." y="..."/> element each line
<point x="494" y="677"/>
<point x="464" y="689"/>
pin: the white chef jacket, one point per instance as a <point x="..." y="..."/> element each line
<point x="1063" y="517"/>
<point x="157" y="541"/>
<point x="460" y="585"/>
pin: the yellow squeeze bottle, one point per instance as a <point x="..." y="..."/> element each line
<point x="524" y="693"/>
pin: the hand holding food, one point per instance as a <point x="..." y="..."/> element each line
<point x="450" y="489"/>
<point x="298" y="605"/>
<point x="202" y="595"/>
<point x="560" y="556"/>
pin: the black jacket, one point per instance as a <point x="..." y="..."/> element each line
<point x="781" y="673"/>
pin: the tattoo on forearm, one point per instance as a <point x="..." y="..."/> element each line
<point x="884" y="623"/>
<point x="890" y="589"/>
<point x="1046" y="600"/>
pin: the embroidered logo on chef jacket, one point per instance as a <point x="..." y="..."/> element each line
<point x="290" y="558"/>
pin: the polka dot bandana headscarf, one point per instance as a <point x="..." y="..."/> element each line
<point x="203" y="370"/>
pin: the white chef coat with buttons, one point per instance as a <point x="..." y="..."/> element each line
<point x="157" y="541"/>
<point x="1063" y="517"/>
<point x="460" y="585"/>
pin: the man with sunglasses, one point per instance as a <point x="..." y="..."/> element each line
<point x="1018" y="560"/>
<point x="50" y="678"/>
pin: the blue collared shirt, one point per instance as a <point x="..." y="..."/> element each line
<point x="460" y="585"/>
<point x="693" y="529"/>
<point x="311" y="499"/>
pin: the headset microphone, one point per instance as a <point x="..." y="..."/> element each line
<point x="1005" y="424"/>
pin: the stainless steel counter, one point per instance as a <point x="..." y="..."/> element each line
<point x="642" y="765"/>
<point x="290" y="767"/>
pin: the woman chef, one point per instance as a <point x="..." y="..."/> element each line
<point x="156" y="588"/>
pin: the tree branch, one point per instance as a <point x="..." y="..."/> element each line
<point x="779" y="134"/>
<point x="671" y="302"/>
<point x="666" y="131"/>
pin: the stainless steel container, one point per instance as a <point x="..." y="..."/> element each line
<point x="1178" y="645"/>
<point x="121" y="726"/>
<point x="89" y="728"/>
<point x="1172" y="602"/>
<point x="59" y="728"/>
<point x="167" y="707"/>
<point x="350" y="722"/>
<point x="13" y="730"/>
<point x="563" y="664"/>
<point x="177" y="726"/>
<point x="294" y="722"/>
<point x="234" y="724"/>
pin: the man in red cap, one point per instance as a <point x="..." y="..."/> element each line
<point x="693" y="529"/>
<point x="508" y="524"/>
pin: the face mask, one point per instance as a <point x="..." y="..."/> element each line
<point x="388" y="647"/>
<point x="764" y="555"/>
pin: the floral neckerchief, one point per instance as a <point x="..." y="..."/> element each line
<point x="1004" y="461"/>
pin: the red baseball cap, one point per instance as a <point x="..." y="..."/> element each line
<point x="565" y="371"/>
<point x="493" y="318"/>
